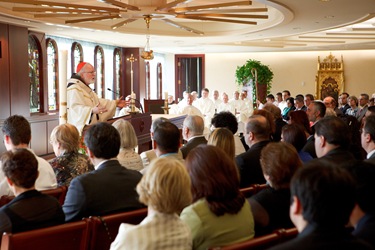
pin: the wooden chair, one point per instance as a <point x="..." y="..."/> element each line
<point x="59" y="193"/>
<point x="105" y="228"/>
<point x="72" y="236"/>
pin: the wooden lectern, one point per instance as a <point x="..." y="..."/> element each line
<point x="141" y="124"/>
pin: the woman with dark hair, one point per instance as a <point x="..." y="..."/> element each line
<point x="270" y="206"/>
<point x="220" y="214"/>
<point x="289" y="107"/>
<point x="295" y="135"/>
<point x="300" y="117"/>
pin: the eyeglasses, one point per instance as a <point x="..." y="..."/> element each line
<point x="90" y="72"/>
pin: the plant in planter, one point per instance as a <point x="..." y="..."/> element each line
<point x="260" y="86"/>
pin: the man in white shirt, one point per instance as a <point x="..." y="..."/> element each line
<point x="17" y="134"/>
<point x="283" y="104"/>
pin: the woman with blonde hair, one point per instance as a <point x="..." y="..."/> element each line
<point x="69" y="163"/>
<point x="223" y="138"/>
<point x="165" y="189"/>
<point x="127" y="156"/>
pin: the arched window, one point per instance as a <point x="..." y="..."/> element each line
<point x="148" y="82"/>
<point x="159" y="80"/>
<point x="35" y="71"/>
<point x="99" y="68"/>
<point x="76" y="55"/>
<point x="53" y="76"/>
<point x="117" y="72"/>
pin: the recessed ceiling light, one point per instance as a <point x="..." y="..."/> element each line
<point x="324" y="0"/>
<point x="329" y="17"/>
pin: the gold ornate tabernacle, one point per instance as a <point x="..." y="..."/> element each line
<point x="330" y="77"/>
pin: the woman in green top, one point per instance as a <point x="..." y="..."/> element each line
<point x="220" y="214"/>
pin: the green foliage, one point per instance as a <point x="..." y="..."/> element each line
<point x="243" y="73"/>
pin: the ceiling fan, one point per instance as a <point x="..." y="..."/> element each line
<point x="169" y="12"/>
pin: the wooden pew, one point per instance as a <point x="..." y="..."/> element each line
<point x="59" y="193"/>
<point x="253" y="189"/>
<point x="105" y="228"/>
<point x="263" y="242"/>
<point x="72" y="236"/>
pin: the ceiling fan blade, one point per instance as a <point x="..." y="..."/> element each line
<point x="92" y="19"/>
<point x="227" y="15"/>
<point x="171" y="4"/>
<point x="230" y="10"/>
<point x="182" y="27"/>
<point x="47" y="15"/>
<point x="56" y="10"/>
<point x="215" y="19"/>
<point x="118" y="25"/>
<point x="120" y="4"/>
<point x="212" y="6"/>
<point x="66" y="5"/>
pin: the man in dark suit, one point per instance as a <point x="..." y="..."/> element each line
<point x="363" y="103"/>
<point x="192" y="132"/>
<point x="343" y="102"/>
<point x="332" y="137"/>
<point x="30" y="209"/>
<point x="110" y="187"/>
<point x="368" y="138"/>
<point x="322" y="200"/>
<point x="363" y="214"/>
<point x="257" y="137"/>
<point x="315" y="111"/>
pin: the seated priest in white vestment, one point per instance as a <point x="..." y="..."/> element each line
<point x="206" y="106"/>
<point x="225" y="105"/>
<point x="189" y="109"/>
<point x="84" y="107"/>
<point x="216" y="100"/>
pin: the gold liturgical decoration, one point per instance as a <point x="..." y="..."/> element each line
<point x="330" y="77"/>
<point x="147" y="53"/>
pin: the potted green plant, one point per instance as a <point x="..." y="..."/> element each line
<point x="261" y="86"/>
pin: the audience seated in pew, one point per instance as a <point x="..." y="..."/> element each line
<point x="270" y="206"/>
<point x="128" y="157"/>
<point x="17" y="134"/>
<point x="30" y="209"/>
<point x="278" y="120"/>
<point x="69" y="163"/>
<point x="220" y="215"/>
<point x="323" y="196"/>
<point x="110" y="187"/>
<point x="165" y="189"/>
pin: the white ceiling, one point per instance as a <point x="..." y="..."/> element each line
<point x="292" y="25"/>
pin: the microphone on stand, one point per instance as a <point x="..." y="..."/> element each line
<point x="128" y="97"/>
<point x="117" y="94"/>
